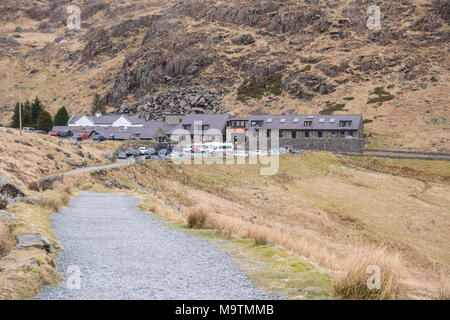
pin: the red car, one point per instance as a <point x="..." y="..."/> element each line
<point x="84" y="136"/>
<point x="54" y="133"/>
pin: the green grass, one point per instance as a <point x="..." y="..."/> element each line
<point x="332" y="107"/>
<point x="382" y="96"/>
<point x="256" y="90"/>
<point x="273" y="267"/>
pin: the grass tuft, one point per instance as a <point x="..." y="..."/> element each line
<point x="197" y="218"/>
<point x="353" y="283"/>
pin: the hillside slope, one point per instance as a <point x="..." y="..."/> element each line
<point x="151" y="57"/>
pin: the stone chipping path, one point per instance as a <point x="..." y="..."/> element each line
<point x="123" y="253"/>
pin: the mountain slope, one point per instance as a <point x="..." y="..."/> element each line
<point x="241" y="57"/>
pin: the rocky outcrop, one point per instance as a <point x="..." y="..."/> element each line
<point x="305" y="85"/>
<point x="9" y="191"/>
<point x="47" y="183"/>
<point x="176" y="100"/>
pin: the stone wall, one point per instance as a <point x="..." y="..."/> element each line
<point x="333" y="145"/>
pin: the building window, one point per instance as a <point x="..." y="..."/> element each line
<point x="294" y="134"/>
<point x="319" y="134"/>
<point x="186" y="126"/>
<point x="307" y="124"/>
<point x="342" y="134"/>
<point x="306" y="134"/>
<point x="333" y="134"/>
<point x="345" y="124"/>
<point x="280" y="133"/>
<point x="268" y="133"/>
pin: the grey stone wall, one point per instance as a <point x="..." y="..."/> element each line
<point x="333" y="145"/>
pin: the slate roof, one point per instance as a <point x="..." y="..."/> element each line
<point x="215" y="121"/>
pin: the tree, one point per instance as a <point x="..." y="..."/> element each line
<point x="27" y="106"/>
<point x="98" y="105"/>
<point x="36" y="108"/>
<point x="61" y="117"/>
<point x="15" y="123"/>
<point x="27" y="119"/>
<point x="44" y="121"/>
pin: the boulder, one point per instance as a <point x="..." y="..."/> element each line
<point x="7" y="217"/>
<point x="32" y="240"/>
<point x="48" y="182"/>
<point x="9" y="191"/>
<point x="109" y="155"/>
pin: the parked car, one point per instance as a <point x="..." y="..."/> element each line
<point x="155" y="157"/>
<point x="76" y="138"/>
<point x="83" y="136"/>
<point x="54" y="134"/>
<point x="28" y="129"/>
<point x="150" y="151"/>
<point x="143" y="150"/>
<point x="122" y="155"/>
<point x="66" y="134"/>
<point x="162" y="153"/>
<point x="134" y="153"/>
<point x="39" y="131"/>
<point x="99" y="138"/>
<point x="162" y="145"/>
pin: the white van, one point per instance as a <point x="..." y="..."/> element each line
<point x="217" y="147"/>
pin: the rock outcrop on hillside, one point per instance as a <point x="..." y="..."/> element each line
<point x="190" y="100"/>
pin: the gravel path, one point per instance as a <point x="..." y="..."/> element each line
<point x="124" y="253"/>
<point x="118" y="163"/>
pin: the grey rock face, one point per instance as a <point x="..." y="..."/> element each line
<point x="198" y="99"/>
<point x="31" y="240"/>
<point x="245" y="39"/>
<point x="47" y="183"/>
<point x="7" y="217"/>
<point x="9" y="190"/>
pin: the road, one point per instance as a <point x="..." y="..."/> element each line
<point x="123" y="253"/>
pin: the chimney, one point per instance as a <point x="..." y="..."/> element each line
<point x="98" y="114"/>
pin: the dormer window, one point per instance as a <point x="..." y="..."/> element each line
<point x="345" y="123"/>
<point x="307" y="124"/>
<point x="269" y="120"/>
<point x="296" y="120"/>
<point x="282" y="120"/>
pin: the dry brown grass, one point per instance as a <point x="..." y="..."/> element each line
<point x="352" y="284"/>
<point x="199" y="218"/>
<point x="444" y="286"/>
<point x="54" y="200"/>
<point x="5" y="239"/>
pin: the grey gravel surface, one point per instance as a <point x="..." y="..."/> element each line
<point x="123" y="253"/>
<point x="118" y="163"/>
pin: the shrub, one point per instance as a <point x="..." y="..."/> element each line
<point x="349" y="98"/>
<point x="257" y="90"/>
<point x="332" y="107"/>
<point x="352" y="284"/>
<point x="197" y="219"/>
<point x="382" y="96"/>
